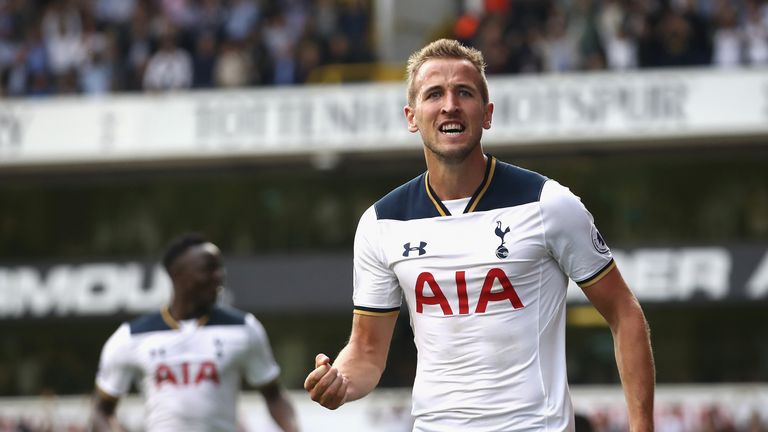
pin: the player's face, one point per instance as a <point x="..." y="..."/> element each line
<point x="203" y="274"/>
<point x="448" y="110"/>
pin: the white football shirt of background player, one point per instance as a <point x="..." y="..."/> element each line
<point x="190" y="371"/>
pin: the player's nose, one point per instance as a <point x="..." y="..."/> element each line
<point x="450" y="103"/>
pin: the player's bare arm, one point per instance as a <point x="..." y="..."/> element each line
<point x="358" y="367"/>
<point x="279" y="406"/>
<point x="634" y="359"/>
<point x="103" y="418"/>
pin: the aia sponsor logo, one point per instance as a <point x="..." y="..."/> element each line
<point x="429" y="292"/>
<point x="186" y="373"/>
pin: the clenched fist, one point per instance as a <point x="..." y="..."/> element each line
<point x="325" y="384"/>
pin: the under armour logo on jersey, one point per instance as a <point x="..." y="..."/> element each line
<point x="159" y="352"/>
<point x="409" y="249"/>
<point x="501" y="251"/>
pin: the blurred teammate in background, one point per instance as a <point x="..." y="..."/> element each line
<point x="191" y="356"/>
<point x="482" y="251"/>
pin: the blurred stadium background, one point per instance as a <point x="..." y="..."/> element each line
<point x="270" y="125"/>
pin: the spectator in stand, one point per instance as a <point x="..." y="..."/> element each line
<point x="296" y="14"/>
<point x="354" y="22"/>
<point x="16" y="79"/>
<point x="756" y="32"/>
<point x="558" y="49"/>
<point x="170" y="68"/>
<point x="211" y="16"/>
<point x="280" y="41"/>
<point x="582" y="28"/>
<point x="525" y="57"/>
<point x="181" y="14"/>
<point x="727" y="37"/>
<point x="616" y="36"/>
<point x="37" y="77"/>
<point x="96" y="74"/>
<point x="113" y="13"/>
<point x="326" y="18"/>
<point x="14" y="23"/>
<point x="137" y="49"/>
<point x="491" y="40"/>
<point x="233" y="66"/>
<point x="308" y="59"/>
<point x="339" y="50"/>
<point x="243" y="14"/>
<point x="204" y="60"/>
<point x="263" y="68"/>
<point x="62" y="30"/>
<point x="8" y="46"/>
<point x="674" y="43"/>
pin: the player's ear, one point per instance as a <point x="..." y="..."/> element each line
<point x="488" y="116"/>
<point x="410" y="116"/>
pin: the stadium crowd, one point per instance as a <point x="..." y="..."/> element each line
<point x="567" y="35"/>
<point x="96" y="46"/>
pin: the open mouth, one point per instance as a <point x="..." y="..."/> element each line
<point x="452" y="128"/>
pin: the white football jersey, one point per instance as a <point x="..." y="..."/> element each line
<point x="485" y="291"/>
<point x="190" y="371"/>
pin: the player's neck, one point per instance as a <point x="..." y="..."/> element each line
<point x="455" y="181"/>
<point x="181" y="311"/>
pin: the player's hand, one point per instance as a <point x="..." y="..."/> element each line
<point x="326" y="385"/>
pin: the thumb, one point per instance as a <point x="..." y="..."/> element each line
<point x="322" y="359"/>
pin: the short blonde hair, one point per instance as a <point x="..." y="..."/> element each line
<point x="442" y="49"/>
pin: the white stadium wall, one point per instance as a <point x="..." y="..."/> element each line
<point x="389" y="410"/>
<point x="599" y="110"/>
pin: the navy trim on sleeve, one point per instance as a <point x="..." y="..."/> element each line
<point x="372" y="311"/>
<point x="597" y="276"/>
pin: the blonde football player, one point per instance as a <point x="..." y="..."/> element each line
<point x="482" y="251"/>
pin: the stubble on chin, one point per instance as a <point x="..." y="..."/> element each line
<point x="453" y="156"/>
